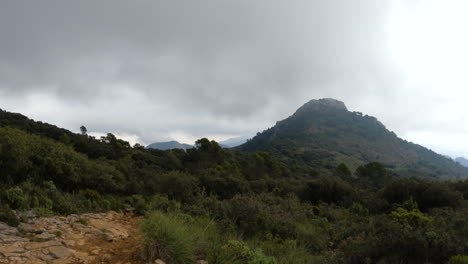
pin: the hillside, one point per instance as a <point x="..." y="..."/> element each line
<point x="462" y="161"/>
<point x="94" y="148"/>
<point x="234" y="142"/>
<point x="169" y="145"/>
<point x="212" y="204"/>
<point x="323" y="133"/>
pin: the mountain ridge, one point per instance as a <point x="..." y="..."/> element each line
<point x="169" y="145"/>
<point x="323" y="133"/>
<point x="462" y="161"/>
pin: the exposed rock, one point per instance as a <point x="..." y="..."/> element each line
<point x="46" y="236"/>
<point x="27" y="228"/>
<point x="26" y="216"/>
<point x="107" y="257"/>
<point x="108" y="237"/>
<point x="3" y="226"/>
<point x="60" y="252"/>
<point x="72" y="239"/>
<point x="69" y="243"/>
<point x="322" y="104"/>
<point x="7" y="230"/>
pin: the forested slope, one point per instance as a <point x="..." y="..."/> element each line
<point x="227" y="206"/>
<point x="323" y="133"/>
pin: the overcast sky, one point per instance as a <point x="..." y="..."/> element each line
<point x="181" y="69"/>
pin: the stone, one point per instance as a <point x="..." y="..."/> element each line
<point x="39" y="231"/>
<point x="46" y="236"/>
<point x="55" y="239"/>
<point x="108" y="237"/>
<point x="16" y="247"/>
<point x="37" y="245"/>
<point x="11" y="238"/>
<point x="69" y="243"/>
<point x="158" y="261"/>
<point x="107" y="257"/>
<point x="3" y="226"/>
<point x="25" y="216"/>
<point x="62" y="261"/>
<point x="11" y="231"/>
<point x="60" y="252"/>
<point x="36" y="261"/>
<point x="27" y="228"/>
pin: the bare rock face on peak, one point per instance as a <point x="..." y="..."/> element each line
<point x="323" y="104"/>
<point x="323" y="133"/>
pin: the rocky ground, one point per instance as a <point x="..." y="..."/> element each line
<point x="89" y="238"/>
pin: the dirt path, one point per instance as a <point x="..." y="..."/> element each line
<point x="89" y="239"/>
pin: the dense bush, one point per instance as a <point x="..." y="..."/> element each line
<point x="166" y="237"/>
<point x="8" y="216"/>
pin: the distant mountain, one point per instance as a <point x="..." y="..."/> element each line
<point x="169" y="145"/>
<point x="234" y="142"/>
<point x="323" y="133"/>
<point x="462" y="161"/>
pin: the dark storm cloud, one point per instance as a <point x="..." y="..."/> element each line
<point x="213" y="67"/>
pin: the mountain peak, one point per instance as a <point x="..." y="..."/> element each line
<point x="323" y="104"/>
<point x="169" y="145"/>
<point x="323" y="132"/>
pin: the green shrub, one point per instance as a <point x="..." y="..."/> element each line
<point x="8" y="216"/>
<point x="162" y="203"/>
<point x="239" y="252"/>
<point x="286" y="251"/>
<point x="15" y="197"/>
<point x="43" y="212"/>
<point x="168" y="238"/>
<point x="460" y="259"/>
<point x="82" y="221"/>
<point x="139" y="203"/>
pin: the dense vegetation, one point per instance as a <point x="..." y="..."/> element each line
<point x="228" y="206"/>
<point x="323" y="133"/>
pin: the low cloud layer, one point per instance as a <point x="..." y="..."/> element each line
<point x="159" y="70"/>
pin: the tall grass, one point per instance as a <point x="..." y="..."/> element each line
<point x="168" y="238"/>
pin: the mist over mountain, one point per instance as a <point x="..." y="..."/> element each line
<point x="323" y="133"/>
<point x="169" y="145"/>
<point x="462" y="161"/>
<point x="234" y="142"/>
<point x="286" y="182"/>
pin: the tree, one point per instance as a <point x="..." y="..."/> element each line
<point x="343" y="171"/>
<point x="83" y="130"/>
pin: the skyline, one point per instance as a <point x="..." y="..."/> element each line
<point x="155" y="70"/>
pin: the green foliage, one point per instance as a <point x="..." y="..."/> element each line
<point x="458" y="260"/>
<point x="318" y="136"/>
<point x="330" y="190"/>
<point x="82" y="221"/>
<point x="293" y="204"/>
<point x="412" y="217"/>
<point x="8" y="216"/>
<point x="166" y="237"/>
<point x="15" y="197"/>
<point x="286" y="251"/>
<point x="239" y="252"/>
<point x="138" y="203"/>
